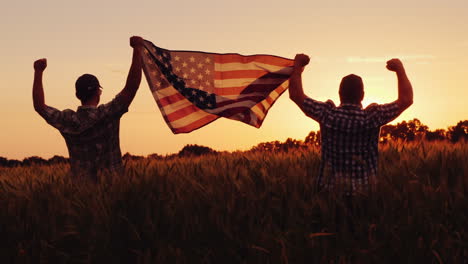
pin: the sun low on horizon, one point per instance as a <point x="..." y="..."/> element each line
<point x="430" y="37"/>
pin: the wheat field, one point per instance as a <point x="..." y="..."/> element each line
<point x="241" y="207"/>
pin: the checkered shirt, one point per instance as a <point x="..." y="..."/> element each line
<point x="92" y="136"/>
<point x="350" y="136"/>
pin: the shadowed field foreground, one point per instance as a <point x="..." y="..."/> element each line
<point x="256" y="207"/>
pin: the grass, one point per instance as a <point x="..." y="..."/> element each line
<point x="239" y="208"/>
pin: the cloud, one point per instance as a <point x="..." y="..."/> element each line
<point x="417" y="57"/>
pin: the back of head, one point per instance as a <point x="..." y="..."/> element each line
<point x="86" y="87"/>
<point x="351" y="89"/>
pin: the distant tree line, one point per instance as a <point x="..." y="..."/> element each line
<point x="415" y="130"/>
<point x="408" y="131"/>
<point x="404" y="131"/>
<point x="187" y="151"/>
<point x="275" y="146"/>
<point x="34" y="160"/>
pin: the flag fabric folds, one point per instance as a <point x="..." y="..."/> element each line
<point x="195" y="88"/>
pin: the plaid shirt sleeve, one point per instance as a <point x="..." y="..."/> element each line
<point x="315" y="109"/>
<point x="385" y="113"/>
<point x="114" y="109"/>
<point x="56" y="118"/>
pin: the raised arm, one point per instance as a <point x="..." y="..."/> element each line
<point x="296" y="92"/>
<point x="38" y="89"/>
<point x="405" y="90"/>
<point x="134" y="74"/>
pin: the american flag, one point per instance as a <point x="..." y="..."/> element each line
<point x="193" y="88"/>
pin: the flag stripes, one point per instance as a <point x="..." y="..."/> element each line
<point x="193" y="89"/>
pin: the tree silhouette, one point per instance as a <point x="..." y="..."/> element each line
<point x="313" y="139"/>
<point x="3" y="161"/>
<point x="276" y="146"/>
<point x="386" y="133"/>
<point x="272" y="146"/>
<point x="128" y="156"/>
<point x="436" y="135"/>
<point x="291" y="144"/>
<point x="195" y="150"/>
<point x="459" y="132"/>
<point x="57" y="160"/>
<point x="154" y="156"/>
<point x="34" y="160"/>
<point x="404" y="130"/>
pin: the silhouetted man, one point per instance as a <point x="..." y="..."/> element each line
<point x="92" y="132"/>
<point x="349" y="133"/>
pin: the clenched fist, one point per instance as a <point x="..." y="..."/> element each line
<point x="395" y="65"/>
<point x="40" y="65"/>
<point x="136" y="41"/>
<point x="301" y="60"/>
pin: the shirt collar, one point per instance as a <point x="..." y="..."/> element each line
<point x="86" y="107"/>
<point x="347" y="105"/>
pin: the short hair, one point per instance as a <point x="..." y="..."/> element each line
<point x="86" y="87"/>
<point x="351" y="89"/>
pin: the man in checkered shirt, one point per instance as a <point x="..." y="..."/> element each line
<point x="350" y="133"/>
<point x="92" y="132"/>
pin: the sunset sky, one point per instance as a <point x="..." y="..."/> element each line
<point x="342" y="37"/>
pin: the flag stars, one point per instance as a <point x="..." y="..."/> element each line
<point x="207" y="60"/>
<point x="201" y="99"/>
<point x="207" y="83"/>
<point x="201" y="87"/>
<point x="200" y="65"/>
<point x="177" y="58"/>
<point x="184" y="64"/>
<point x="177" y="69"/>
<point x="194" y="92"/>
<point x="192" y="59"/>
<point x="207" y="72"/>
<point x="192" y="70"/>
<point x="185" y="75"/>
<point x="200" y="76"/>
<point x="193" y="81"/>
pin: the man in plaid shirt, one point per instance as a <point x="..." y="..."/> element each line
<point x="350" y="133"/>
<point x="92" y="132"/>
